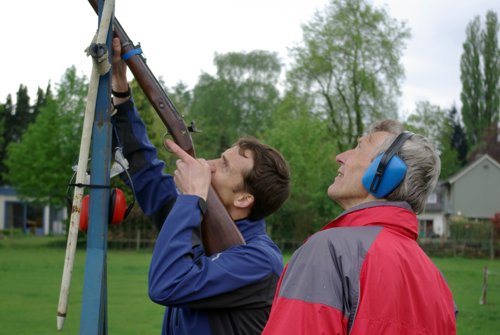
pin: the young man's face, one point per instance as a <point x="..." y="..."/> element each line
<point x="347" y="189"/>
<point x="228" y="171"/>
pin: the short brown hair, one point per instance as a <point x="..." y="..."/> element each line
<point x="268" y="181"/>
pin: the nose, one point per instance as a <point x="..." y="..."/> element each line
<point x="213" y="164"/>
<point x="342" y="157"/>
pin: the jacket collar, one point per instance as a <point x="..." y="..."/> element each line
<point x="396" y="216"/>
<point x="250" y="228"/>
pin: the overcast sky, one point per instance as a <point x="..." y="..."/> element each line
<point x="41" y="39"/>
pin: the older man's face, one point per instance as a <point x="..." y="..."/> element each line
<point x="347" y="189"/>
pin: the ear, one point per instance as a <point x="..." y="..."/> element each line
<point x="243" y="200"/>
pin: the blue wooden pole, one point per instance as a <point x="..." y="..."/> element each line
<point x="94" y="303"/>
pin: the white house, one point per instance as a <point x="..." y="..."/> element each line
<point x="432" y="222"/>
<point x="19" y="215"/>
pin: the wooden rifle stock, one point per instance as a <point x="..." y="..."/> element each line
<point x="218" y="230"/>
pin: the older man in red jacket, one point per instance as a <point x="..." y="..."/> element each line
<point x="364" y="272"/>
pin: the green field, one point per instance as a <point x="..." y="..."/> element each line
<point x="31" y="270"/>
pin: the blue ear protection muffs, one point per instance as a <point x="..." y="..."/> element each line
<point x="387" y="170"/>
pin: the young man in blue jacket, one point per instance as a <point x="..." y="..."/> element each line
<point x="227" y="293"/>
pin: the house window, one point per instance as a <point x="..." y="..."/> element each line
<point x="15" y="215"/>
<point x="432" y="198"/>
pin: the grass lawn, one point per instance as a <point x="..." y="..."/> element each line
<point x="465" y="278"/>
<point x="30" y="279"/>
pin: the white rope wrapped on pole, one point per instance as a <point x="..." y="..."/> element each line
<point x="100" y="67"/>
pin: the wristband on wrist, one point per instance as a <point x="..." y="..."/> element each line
<point x="125" y="94"/>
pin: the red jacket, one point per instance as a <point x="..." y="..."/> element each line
<point x="363" y="273"/>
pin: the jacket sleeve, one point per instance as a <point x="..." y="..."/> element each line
<point x="155" y="190"/>
<point x="180" y="275"/>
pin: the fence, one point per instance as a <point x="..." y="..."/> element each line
<point x="467" y="239"/>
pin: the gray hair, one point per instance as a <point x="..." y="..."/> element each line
<point x="424" y="165"/>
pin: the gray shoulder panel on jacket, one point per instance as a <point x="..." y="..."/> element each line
<point x="326" y="269"/>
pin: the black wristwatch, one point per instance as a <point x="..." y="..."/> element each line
<point x="203" y="205"/>
<point x="125" y="94"/>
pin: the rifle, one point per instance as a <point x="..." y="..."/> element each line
<point x="218" y="230"/>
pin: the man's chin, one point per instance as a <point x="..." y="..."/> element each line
<point x="332" y="192"/>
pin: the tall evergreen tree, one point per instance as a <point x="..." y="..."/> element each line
<point x="480" y="71"/>
<point x="18" y="121"/>
<point x="491" y="66"/>
<point x="39" y="102"/>
<point x="2" y="127"/>
<point x="458" y="140"/>
<point x="6" y="112"/>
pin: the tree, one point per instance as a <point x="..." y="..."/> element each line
<point x="15" y="120"/>
<point x="181" y="97"/>
<point x="490" y="144"/>
<point x="215" y="114"/>
<point x="432" y="122"/>
<point x="480" y="75"/>
<point x="491" y="59"/>
<point x="19" y="121"/>
<point x="305" y="142"/>
<point x="154" y="125"/>
<point x="6" y="110"/>
<point x="238" y="101"/>
<point x="458" y="137"/>
<point x="41" y="98"/>
<point x="39" y="166"/>
<point x="427" y="120"/>
<point x="349" y="59"/>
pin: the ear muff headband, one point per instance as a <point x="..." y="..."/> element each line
<point x="387" y="170"/>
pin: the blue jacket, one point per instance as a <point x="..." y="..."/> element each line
<point x="227" y="293"/>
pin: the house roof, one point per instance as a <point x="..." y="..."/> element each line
<point x="471" y="166"/>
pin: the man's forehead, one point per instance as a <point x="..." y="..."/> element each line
<point x="376" y="137"/>
<point x="243" y="152"/>
<point x="236" y="154"/>
<point x="239" y="158"/>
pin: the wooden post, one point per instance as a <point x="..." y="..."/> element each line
<point x="138" y="239"/>
<point x="482" y="300"/>
<point x="492" y="240"/>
